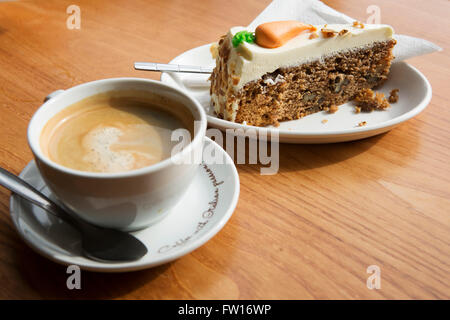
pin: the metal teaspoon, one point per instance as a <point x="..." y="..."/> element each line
<point x="98" y="243"/>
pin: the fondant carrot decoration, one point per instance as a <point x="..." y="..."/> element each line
<point x="275" y="34"/>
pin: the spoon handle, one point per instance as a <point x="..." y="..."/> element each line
<point x="162" y="67"/>
<point x="28" y="192"/>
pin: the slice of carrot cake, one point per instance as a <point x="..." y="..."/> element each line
<point x="285" y="70"/>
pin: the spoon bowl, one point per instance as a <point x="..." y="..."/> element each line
<point x="98" y="243"/>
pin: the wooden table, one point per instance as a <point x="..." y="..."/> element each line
<point x="308" y="232"/>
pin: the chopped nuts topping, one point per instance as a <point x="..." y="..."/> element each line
<point x="358" y="24"/>
<point x="343" y="32"/>
<point x="328" y="33"/>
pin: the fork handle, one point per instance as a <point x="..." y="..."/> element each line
<point x="162" y="67"/>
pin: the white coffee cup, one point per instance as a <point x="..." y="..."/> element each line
<point x="128" y="200"/>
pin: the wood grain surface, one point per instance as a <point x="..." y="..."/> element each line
<point x="308" y="232"/>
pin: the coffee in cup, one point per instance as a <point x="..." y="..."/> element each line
<point x="113" y="131"/>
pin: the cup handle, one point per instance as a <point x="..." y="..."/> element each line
<point x="53" y="94"/>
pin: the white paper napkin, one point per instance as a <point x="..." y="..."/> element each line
<point x="316" y="12"/>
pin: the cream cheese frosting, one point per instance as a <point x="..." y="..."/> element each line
<point x="250" y="62"/>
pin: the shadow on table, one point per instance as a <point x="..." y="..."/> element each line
<point x="48" y="279"/>
<point x="297" y="157"/>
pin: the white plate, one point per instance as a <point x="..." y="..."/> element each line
<point x="201" y="213"/>
<point x="415" y="94"/>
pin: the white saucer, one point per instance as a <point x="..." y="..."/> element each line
<point x="415" y="94"/>
<point x="201" y="213"/>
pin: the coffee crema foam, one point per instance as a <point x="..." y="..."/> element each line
<point x="107" y="152"/>
<point x="104" y="134"/>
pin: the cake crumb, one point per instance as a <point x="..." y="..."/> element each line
<point x="328" y="33"/>
<point x="333" y="109"/>
<point x="367" y="100"/>
<point x="358" y="24"/>
<point x="324" y="121"/>
<point x="313" y="35"/>
<point x="393" y="96"/>
<point x="357" y="109"/>
<point x="362" y="123"/>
